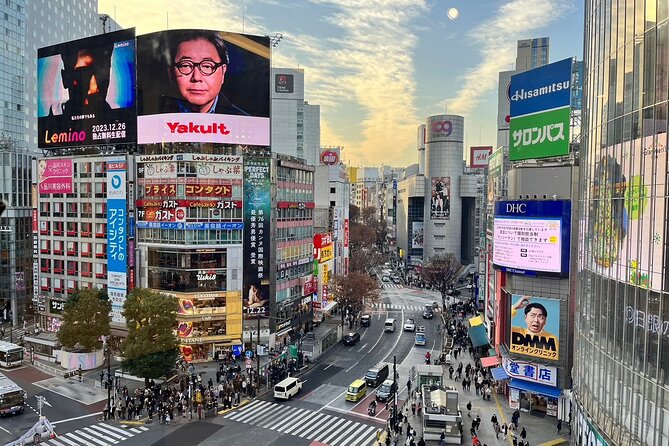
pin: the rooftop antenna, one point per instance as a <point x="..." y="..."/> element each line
<point x="103" y="19"/>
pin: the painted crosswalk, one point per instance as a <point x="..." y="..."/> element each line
<point x="382" y="306"/>
<point x="392" y="286"/>
<point x="100" y="434"/>
<point x="313" y="426"/>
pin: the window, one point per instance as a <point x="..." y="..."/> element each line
<point x="100" y="270"/>
<point x="100" y="230"/>
<point x="57" y="209"/>
<point x="72" y="209"/>
<point x="86" y="229"/>
<point x="86" y="269"/>
<point x="86" y="249"/>
<point x="100" y="210"/>
<point x="72" y="268"/>
<point x="45" y="284"/>
<point x="333" y="190"/>
<point x="72" y="248"/>
<point x="58" y="228"/>
<point x="86" y="210"/>
<point x="45" y="246"/>
<point x="57" y="246"/>
<point x="101" y="250"/>
<point x="45" y="265"/>
<point x="71" y="228"/>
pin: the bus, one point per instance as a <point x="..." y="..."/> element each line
<point x="11" y="355"/>
<point x="12" y="397"/>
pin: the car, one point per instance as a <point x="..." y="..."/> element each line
<point x="396" y="280"/>
<point x="386" y="391"/>
<point x="428" y="313"/>
<point x="352" y="338"/>
<point x="409" y="325"/>
<point x="365" y="320"/>
<point x="385" y="279"/>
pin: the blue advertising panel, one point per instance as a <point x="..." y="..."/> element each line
<point x="532" y="237"/>
<point x="117" y="237"/>
<point x="541" y="89"/>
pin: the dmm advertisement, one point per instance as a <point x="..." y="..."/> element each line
<point x="257" y="189"/>
<point x="535" y="326"/>
<point x="54" y="176"/>
<point x="540" y="106"/>
<point x="117" y="252"/>
<point x="532" y="237"/>
<point x="440" y="201"/>
<point x="86" y="91"/>
<point x="203" y="86"/>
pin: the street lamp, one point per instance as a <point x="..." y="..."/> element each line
<point x="109" y="378"/>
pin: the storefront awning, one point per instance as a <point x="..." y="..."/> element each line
<point x="499" y="373"/>
<point x="478" y="335"/>
<point x="475" y="321"/>
<point x="491" y="361"/>
<point x="533" y="387"/>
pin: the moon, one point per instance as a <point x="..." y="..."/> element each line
<point x="453" y="13"/>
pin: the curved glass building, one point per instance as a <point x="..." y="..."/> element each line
<point x="621" y="372"/>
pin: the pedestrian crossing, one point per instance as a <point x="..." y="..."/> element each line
<point x="100" y="434"/>
<point x="304" y="423"/>
<point x="382" y="306"/>
<point x="392" y="286"/>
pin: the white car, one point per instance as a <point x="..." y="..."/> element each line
<point x="409" y="325"/>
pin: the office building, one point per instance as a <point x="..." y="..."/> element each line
<point x="621" y="365"/>
<point x="532" y="53"/>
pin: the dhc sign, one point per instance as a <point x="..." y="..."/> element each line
<point x="516" y="208"/>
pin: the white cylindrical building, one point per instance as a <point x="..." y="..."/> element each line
<point x="443" y="168"/>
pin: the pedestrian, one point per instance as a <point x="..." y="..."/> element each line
<point x="442" y="438"/>
<point x="475" y="441"/>
<point x="523" y="434"/>
<point x="413" y="408"/>
<point x="514" y="418"/>
<point x="496" y="428"/>
<point x="559" y="427"/>
<point x="469" y="408"/>
<point x="409" y="387"/>
<point x="493" y="419"/>
<point x="408" y="429"/>
<point x="514" y="441"/>
<point x="450" y="372"/>
<point x="421" y="442"/>
<point x="505" y="430"/>
<point x="472" y="430"/>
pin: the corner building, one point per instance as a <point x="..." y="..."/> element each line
<point x="621" y="371"/>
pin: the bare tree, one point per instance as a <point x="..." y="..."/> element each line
<point x="440" y="272"/>
<point x="352" y="292"/>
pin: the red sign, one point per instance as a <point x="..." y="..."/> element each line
<point x="35" y="220"/>
<point x="160" y="190"/>
<point x="131" y="277"/>
<point x="309" y="288"/>
<point x="478" y="157"/>
<point x="329" y="157"/>
<point x="346" y="233"/>
<point x="321" y="240"/>
<point x="295" y="205"/>
<point x="173" y="204"/>
<point x="158" y="214"/>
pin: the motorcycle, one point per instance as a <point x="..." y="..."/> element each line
<point x="371" y="410"/>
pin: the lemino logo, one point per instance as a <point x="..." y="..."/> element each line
<point x="191" y="127"/>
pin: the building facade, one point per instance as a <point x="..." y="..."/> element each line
<point x="532" y="53"/>
<point x="621" y="384"/>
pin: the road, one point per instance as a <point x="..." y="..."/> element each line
<point x="319" y="413"/>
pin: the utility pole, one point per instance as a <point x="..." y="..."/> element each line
<point x="396" y="391"/>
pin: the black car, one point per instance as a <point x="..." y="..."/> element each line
<point x="386" y="391"/>
<point x="428" y="313"/>
<point x="365" y="320"/>
<point x="351" y="338"/>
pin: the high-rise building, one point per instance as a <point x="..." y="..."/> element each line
<point x="532" y="53"/>
<point x="296" y="127"/>
<point x="621" y="367"/>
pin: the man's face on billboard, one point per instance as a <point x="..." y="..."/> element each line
<point x="535" y="320"/>
<point x="198" y="89"/>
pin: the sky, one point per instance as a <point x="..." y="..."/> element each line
<point x="379" y="68"/>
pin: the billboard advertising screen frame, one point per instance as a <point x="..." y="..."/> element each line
<point x="523" y="223"/>
<point x="440" y="201"/>
<point x="534" y="314"/>
<point x="86" y="91"/>
<point x="229" y="106"/>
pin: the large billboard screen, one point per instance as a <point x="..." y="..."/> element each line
<point x="535" y="326"/>
<point x="532" y="237"/>
<point x="257" y="189"/>
<point x="203" y="86"/>
<point x="626" y="217"/>
<point x="440" y="200"/>
<point x="417" y="234"/>
<point x="540" y="107"/>
<point x="86" y="91"/>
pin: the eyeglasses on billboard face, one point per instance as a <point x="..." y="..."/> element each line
<point x="206" y="67"/>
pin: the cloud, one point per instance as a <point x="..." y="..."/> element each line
<point x="497" y="39"/>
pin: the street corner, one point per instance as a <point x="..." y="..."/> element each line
<point x="239" y="406"/>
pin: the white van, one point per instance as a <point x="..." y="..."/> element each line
<point x="287" y="388"/>
<point x="389" y="325"/>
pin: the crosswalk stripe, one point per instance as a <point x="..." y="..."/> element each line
<point x="352" y="436"/>
<point x="55" y="442"/>
<point x="298" y="418"/>
<point x="325" y="427"/>
<point x="96" y="434"/>
<point x="306" y="427"/>
<point x="116" y="429"/>
<point x="270" y="424"/>
<point x="143" y="428"/>
<point x="107" y="432"/>
<point x="270" y="414"/>
<point x="90" y="437"/>
<point x="68" y="441"/>
<point x="346" y="424"/>
<point x="244" y="410"/>
<point x="365" y="436"/>
<point x="255" y="412"/>
<point x="135" y="430"/>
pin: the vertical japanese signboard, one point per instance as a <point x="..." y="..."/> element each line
<point x="257" y="198"/>
<point x="117" y="251"/>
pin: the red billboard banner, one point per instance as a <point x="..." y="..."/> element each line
<point x="34" y="220"/>
<point x="321" y="240"/>
<point x="174" y="204"/>
<point x="295" y="205"/>
<point x="346" y="233"/>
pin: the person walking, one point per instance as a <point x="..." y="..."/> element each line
<point x="505" y="430"/>
<point x="559" y="427"/>
<point x="493" y="419"/>
<point x="497" y="429"/>
<point x="523" y="434"/>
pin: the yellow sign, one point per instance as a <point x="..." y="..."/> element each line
<point x="327" y="253"/>
<point x="326" y="274"/>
